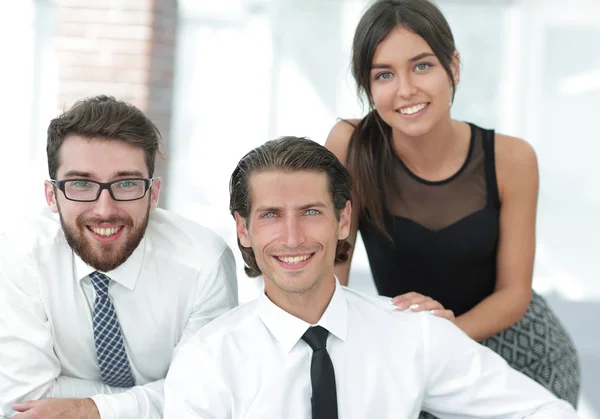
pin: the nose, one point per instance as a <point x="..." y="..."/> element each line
<point x="294" y="234"/>
<point x="105" y="206"/>
<point x="405" y="86"/>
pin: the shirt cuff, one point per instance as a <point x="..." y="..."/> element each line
<point x="115" y="406"/>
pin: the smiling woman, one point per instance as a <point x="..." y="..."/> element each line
<point x="446" y="209"/>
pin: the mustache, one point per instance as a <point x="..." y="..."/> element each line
<point x="83" y="221"/>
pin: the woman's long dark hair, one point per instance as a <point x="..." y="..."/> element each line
<point x="370" y="152"/>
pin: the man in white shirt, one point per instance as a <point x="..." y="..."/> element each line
<point x="310" y="348"/>
<point x="95" y="297"/>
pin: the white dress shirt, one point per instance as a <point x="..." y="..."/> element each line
<point x="179" y="278"/>
<point x="251" y="363"/>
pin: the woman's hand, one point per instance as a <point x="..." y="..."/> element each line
<point x="418" y="302"/>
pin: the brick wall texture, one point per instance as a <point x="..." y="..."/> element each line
<point x="123" y="48"/>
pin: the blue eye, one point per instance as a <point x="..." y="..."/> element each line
<point x="127" y="184"/>
<point x="79" y="184"/>
<point x="422" y="66"/>
<point x="386" y="75"/>
<point x="268" y="215"/>
<point x="312" y="212"/>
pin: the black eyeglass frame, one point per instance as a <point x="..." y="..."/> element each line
<point x="60" y="184"/>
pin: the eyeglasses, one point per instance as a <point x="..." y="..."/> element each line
<point x="84" y="190"/>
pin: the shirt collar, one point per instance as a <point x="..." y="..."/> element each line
<point x="125" y="274"/>
<point x="288" y="329"/>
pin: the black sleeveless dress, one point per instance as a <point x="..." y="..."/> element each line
<point x="445" y="240"/>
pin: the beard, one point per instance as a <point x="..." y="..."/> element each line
<point x="103" y="257"/>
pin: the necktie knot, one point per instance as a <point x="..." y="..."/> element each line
<point x="316" y="337"/>
<point x="100" y="283"/>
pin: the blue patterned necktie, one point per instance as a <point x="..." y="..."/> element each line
<point x="114" y="364"/>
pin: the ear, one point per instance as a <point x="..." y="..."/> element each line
<point x="242" y="230"/>
<point x="345" y="221"/>
<point x="155" y="192"/>
<point x="455" y="67"/>
<point x="50" y="192"/>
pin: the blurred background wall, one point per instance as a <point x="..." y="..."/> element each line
<point x="222" y="76"/>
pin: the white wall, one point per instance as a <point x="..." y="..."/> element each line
<point x="26" y="76"/>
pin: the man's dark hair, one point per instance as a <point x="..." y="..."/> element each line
<point x="103" y="117"/>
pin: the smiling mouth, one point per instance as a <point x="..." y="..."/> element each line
<point x="105" y="232"/>
<point x="411" y="110"/>
<point x="294" y="260"/>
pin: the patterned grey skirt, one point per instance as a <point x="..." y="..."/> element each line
<point x="539" y="346"/>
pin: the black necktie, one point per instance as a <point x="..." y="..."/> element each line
<point x="322" y="377"/>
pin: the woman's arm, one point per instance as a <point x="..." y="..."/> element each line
<point x="518" y="184"/>
<point x="337" y="142"/>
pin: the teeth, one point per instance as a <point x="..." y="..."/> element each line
<point x="412" y="109"/>
<point x="293" y="260"/>
<point x="106" y="232"/>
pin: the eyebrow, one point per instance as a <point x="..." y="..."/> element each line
<point x="135" y="173"/>
<point x="413" y="59"/>
<point x="312" y="205"/>
<point x="88" y="175"/>
<point x="78" y="173"/>
<point x="421" y="56"/>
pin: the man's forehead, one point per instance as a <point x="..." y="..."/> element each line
<point x="288" y="189"/>
<point x="103" y="158"/>
<point x="292" y="182"/>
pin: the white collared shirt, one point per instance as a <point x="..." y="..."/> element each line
<point x="179" y="278"/>
<point x="251" y="363"/>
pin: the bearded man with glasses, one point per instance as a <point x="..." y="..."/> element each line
<point x="96" y="296"/>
